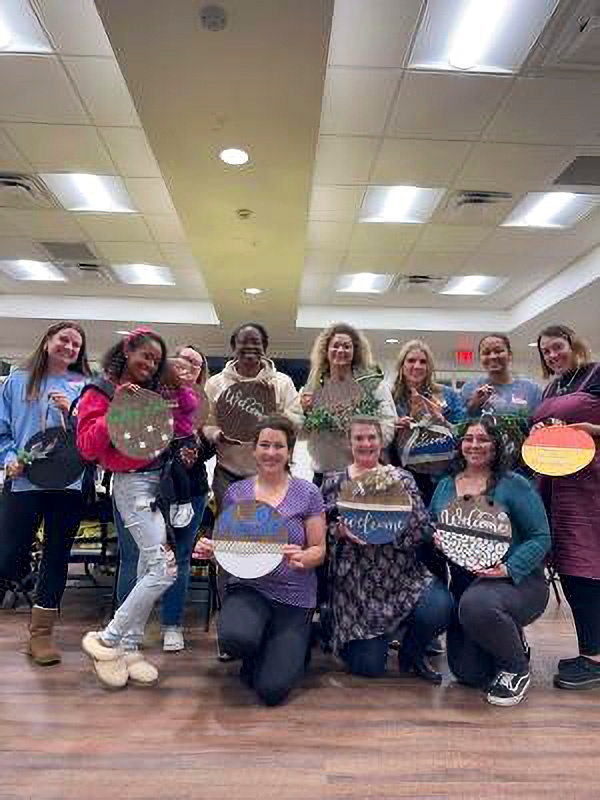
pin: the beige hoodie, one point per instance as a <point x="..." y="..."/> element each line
<point x="239" y="459"/>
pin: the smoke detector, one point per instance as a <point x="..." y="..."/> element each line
<point x="213" y="18"/>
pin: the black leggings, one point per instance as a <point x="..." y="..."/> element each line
<point x="271" y="637"/>
<point x="20" y="516"/>
<point x="583" y="595"/>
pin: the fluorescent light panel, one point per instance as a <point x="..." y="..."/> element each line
<point x="27" y="270"/>
<point x="479" y="35"/>
<point x="364" y="283"/>
<point x="473" y="284"/>
<point x="20" y="31"/>
<point x="83" y="192"/>
<point x="552" y="210"/>
<point x="409" y="204"/>
<point x="144" y="274"/>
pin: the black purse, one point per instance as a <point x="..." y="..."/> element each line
<point x="52" y="458"/>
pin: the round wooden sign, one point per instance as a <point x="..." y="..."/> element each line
<point x="376" y="517"/>
<point x="140" y="423"/>
<point x="249" y="538"/>
<point x="54" y="461"/>
<point x="427" y="446"/>
<point x="242" y="406"/>
<point x="558" y="450"/>
<point x="340" y="399"/>
<point x="474" y="532"/>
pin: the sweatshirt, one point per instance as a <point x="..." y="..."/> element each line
<point x="20" y="419"/>
<point x="239" y="459"/>
<point x="93" y="439"/>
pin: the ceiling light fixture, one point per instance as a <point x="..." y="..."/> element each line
<point x="252" y="290"/>
<point x="27" y="270"/>
<point x="364" y="283"/>
<point x="234" y="156"/>
<point x="552" y="210"/>
<point x="20" y="30"/>
<point x="82" y="192"/>
<point x="479" y="23"/>
<point x="408" y="204"/>
<point x="532" y="344"/>
<point x="392" y="341"/>
<point x="144" y="274"/>
<point x="473" y="284"/>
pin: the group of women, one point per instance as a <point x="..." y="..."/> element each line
<point x="371" y="594"/>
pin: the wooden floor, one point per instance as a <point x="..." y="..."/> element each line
<point x="200" y="734"/>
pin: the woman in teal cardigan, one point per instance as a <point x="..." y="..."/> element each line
<point x="486" y="646"/>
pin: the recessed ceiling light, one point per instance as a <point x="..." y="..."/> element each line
<point x="122" y="333"/>
<point x="26" y="270"/>
<point x="144" y="274"/>
<point x="364" y="283"/>
<point x="82" y="192"/>
<point x="479" y="35"/>
<point x="392" y="341"/>
<point x="409" y="204"/>
<point x="552" y="210"/>
<point x="253" y="290"/>
<point x="473" y="284"/>
<point x="532" y="344"/>
<point x="20" y="31"/>
<point x="234" y="156"/>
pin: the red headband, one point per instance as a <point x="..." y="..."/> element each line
<point x="142" y="330"/>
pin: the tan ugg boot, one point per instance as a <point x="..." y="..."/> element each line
<point x="41" y="647"/>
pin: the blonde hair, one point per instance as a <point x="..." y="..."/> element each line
<point x="362" y="358"/>
<point x="400" y="390"/>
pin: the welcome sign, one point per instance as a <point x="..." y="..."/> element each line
<point x="474" y="532"/>
<point x="140" y="423"/>
<point x="242" y="406"/>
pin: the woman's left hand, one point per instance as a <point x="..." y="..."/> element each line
<point x="295" y="556"/>
<point x="499" y="571"/>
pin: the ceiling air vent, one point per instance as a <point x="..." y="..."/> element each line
<point x="583" y="171"/>
<point x="69" y="251"/>
<point x="24" y="192"/>
<point x="468" y="197"/>
<point x="87" y="272"/>
<point x="430" y="284"/>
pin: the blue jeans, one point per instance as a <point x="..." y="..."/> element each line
<point x="173" y="601"/>
<point x="430" y="617"/>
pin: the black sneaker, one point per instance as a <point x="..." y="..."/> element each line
<point x="582" y="673"/>
<point x="509" y="688"/>
<point x="526" y="647"/>
<point x="567" y="663"/>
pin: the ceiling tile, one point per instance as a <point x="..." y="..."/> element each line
<point x="11" y="160"/>
<point x="344" y="159"/>
<point x="166" y="228"/>
<point x="445" y="106"/>
<point x="20" y="247"/>
<point x="451" y="238"/>
<point x="62" y="148"/>
<point x="382" y="237"/>
<point x="323" y="261"/>
<point x="357" y="101"/>
<point x="42" y="225"/>
<point x="373" y="262"/>
<point x="103" y="90"/>
<point x="433" y="263"/>
<point x="514" y="264"/>
<point x="114" y="227"/>
<point x="328" y="235"/>
<point x="552" y="243"/>
<point x="179" y="256"/>
<point x="36" y="89"/>
<point x="548" y="111"/>
<point x="150" y="195"/>
<point x="131" y="152"/>
<point x="7" y="227"/>
<point x="131" y="252"/>
<point x="418" y="162"/>
<point x="335" y="203"/>
<point x="504" y="166"/>
<point x="75" y="27"/>
<point x="376" y="33"/>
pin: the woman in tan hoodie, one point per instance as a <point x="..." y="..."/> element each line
<point x="235" y="460"/>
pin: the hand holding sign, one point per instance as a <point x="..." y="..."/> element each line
<point x="474" y="532"/>
<point x="558" y="450"/>
<point x="140" y="422"/>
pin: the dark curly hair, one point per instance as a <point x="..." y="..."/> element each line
<point x="262" y="331"/>
<point x="115" y="359"/>
<point x="499" y="465"/>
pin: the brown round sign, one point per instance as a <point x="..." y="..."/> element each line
<point x="241" y="406"/>
<point x="140" y="423"/>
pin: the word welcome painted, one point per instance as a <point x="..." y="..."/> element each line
<point x="237" y="400"/>
<point x="476" y="518"/>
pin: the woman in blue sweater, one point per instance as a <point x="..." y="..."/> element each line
<point x="486" y="647"/>
<point x="33" y="397"/>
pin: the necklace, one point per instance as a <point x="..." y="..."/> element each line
<point x="564" y="389"/>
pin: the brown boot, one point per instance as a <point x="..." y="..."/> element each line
<point x="41" y="647"/>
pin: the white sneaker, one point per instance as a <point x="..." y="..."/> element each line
<point x="173" y="641"/>
<point x="181" y="515"/>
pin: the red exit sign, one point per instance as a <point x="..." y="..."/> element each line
<point x="464" y="358"/>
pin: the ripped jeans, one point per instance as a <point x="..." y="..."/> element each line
<point x="133" y="494"/>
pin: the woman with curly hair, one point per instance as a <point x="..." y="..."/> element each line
<point x="341" y="358"/>
<point x="485" y="644"/>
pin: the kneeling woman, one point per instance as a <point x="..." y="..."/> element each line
<point x="136" y="361"/>
<point x="378" y="589"/>
<point x="485" y="644"/>
<point x="267" y="621"/>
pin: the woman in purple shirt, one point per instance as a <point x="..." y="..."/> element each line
<point x="266" y="621"/>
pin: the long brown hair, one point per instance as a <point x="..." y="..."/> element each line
<point x="36" y="364"/>
<point x="579" y="346"/>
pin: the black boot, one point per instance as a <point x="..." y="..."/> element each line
<point x="418" y="664"/>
